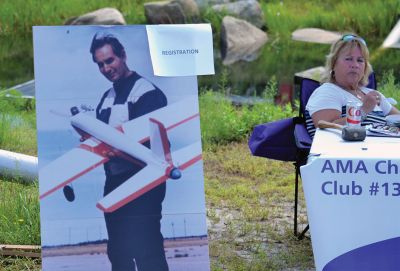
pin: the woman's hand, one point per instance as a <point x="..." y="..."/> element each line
<point x="370" y="100"/>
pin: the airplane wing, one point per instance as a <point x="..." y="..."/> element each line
<point x="148" y="178"/>
<point x="65" y="169"/>
<point x="187" y="156"/>
<point x="171" y="116"/>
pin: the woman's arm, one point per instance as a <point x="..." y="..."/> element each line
<point x="330" y="115"/>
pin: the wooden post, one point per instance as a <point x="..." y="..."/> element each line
<point x="285" y="94"/>
<point x="20" y="250"/>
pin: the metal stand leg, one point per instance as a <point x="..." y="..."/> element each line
<point x="296" y="201"/>
<point x="296" y="195"/>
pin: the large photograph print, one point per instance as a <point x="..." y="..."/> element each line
<point x="120" y="167"/>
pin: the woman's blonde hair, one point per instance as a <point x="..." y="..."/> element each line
<point x="343" y="44"/>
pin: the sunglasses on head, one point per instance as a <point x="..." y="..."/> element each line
<point x="353" y="37"/>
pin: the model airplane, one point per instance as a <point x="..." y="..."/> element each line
<point x="100" y="142"/>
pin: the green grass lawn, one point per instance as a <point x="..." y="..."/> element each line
<point x="250" y="207"/>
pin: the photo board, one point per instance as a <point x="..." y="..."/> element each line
<point x="119" y="154"/>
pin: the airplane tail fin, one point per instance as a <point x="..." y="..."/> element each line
<point x="159" y="141"/>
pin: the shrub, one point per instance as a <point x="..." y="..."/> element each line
<point x="222" y="122"/>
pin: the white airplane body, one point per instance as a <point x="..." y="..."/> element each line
<point x="101" y="142"/>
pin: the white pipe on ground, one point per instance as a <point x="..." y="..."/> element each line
<point x="18" y="166"/>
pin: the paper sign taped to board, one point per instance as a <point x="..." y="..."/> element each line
<point x="181" y="50"/>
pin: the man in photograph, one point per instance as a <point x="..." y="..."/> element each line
<point x="134" y="230"/>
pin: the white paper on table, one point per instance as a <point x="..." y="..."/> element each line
<point x="181" y="50"/>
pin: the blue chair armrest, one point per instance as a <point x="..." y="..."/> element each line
<point x="302" y="138"/>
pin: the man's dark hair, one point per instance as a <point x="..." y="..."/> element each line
<point x="99" y="40"/>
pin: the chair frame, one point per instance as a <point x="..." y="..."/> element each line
<point x="303" y="149"/>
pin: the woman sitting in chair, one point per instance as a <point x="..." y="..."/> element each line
<point x="346" y="75"/>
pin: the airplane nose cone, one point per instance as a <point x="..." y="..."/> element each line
<point x="175" y="174"/>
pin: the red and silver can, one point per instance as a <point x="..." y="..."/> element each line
<point x="353" y="113"/>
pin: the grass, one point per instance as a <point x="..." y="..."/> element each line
<point x="19" y="213"/>
<point x="17" y="124"/>
<point x="19" y="264"/>
<point x="17" y="134"/>
<point x="222" y="122"/>
<point x="19" y="216"/>
<point x="250" y="206"/>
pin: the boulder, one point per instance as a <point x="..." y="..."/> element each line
<point x="393" y="39"/>
<point x="206" y="3"/>
<point x="240" y="40"/>
<point x="104" y="16"/>
<point x="316" y="35"/>
<point x="249" y="10"/>
<point x="172" y="12"/>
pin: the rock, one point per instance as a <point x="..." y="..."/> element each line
<point x="240" y="40"/>
<point x="206" y="3"/>
<point x="249" y="10"/>
<point x="172" y="12"/>
<point x="393" y="40"/>
<point x="190" y="8"/>
<point x="316" y="35"/>
<point x="104" y="16"/>
<point x="312" y="73"/>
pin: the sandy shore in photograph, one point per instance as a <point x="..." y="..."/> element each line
<point x="180" y="253"/>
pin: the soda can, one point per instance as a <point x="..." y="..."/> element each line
<point x="353" y="113"/>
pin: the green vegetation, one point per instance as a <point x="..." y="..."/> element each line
<point x="222" y="122"/>
<point x="19" y="264"/>
<point x="19" y="213"/>
<point x="249" y="203"/>
<point x="17" y="123"/>
<point x="18" y="16"/>
<point x="19" y="205"/>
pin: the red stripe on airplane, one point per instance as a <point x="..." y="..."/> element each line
<point x="146" y="188"/>
<point x="164" y="140"/>
<point x="173" y="126"/>
<point x="107" y="151"/>
<point x="190" y="162"/>
<point x="133" y="196"/>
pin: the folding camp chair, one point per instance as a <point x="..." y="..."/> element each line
<point x="303" y="140"/>
<point x="288" y="140"/>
